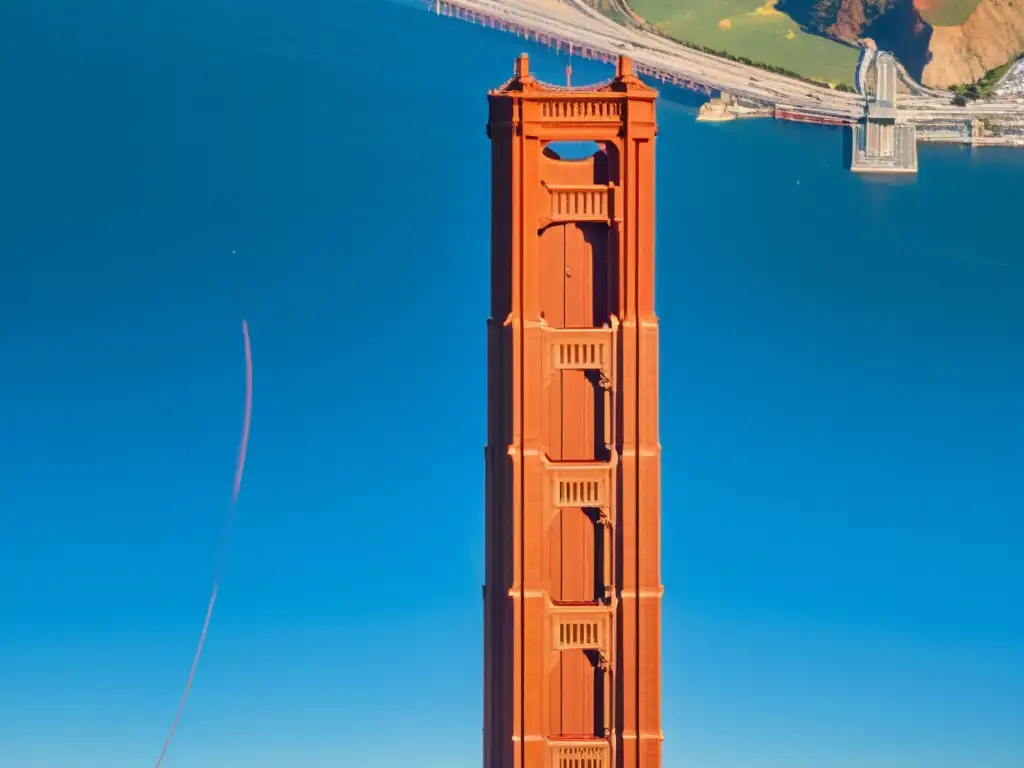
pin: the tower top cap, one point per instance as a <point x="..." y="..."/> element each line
<point x="625" y="81"/>
<point x="523" y="66"/>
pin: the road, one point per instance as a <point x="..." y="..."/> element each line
<point x="885" y="87"/>
<point x="575" y="21"/>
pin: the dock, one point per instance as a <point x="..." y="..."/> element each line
<point x="881" y="142"/>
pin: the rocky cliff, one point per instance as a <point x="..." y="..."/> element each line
<point x="991" y="35"/>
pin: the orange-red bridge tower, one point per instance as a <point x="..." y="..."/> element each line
<point x="572" y="599"/>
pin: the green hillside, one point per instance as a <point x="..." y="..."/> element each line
<point x="758" y="31"/>
<point x="946" y="13"/>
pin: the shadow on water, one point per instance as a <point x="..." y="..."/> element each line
<point x="847" y="142"/>
<point x="901" y="30"/>
<point x="897" y="27"/>
<point x="889" y="179"/>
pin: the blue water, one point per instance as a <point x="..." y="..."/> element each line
<point x="842" y="412"/>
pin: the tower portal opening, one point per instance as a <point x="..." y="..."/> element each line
<point x="572" y="151"/>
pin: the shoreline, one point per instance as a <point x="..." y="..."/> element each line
<point x="569" y="26"/>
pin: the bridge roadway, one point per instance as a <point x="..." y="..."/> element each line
<point x="574" y="21"/>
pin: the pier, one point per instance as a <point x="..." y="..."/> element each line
<point x="882" y="144"/>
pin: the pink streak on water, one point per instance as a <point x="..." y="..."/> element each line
<point x="248" y="415"/>
<point x="239" y="468"/>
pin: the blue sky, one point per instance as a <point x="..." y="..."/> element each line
<point x="842" y="409"/>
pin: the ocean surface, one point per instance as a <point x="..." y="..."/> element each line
<point x="842" y="406"/>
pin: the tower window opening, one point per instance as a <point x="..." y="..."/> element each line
<point x="573" y="150"/>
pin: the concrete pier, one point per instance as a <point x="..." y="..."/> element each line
<point x="884" y="148"/>
<point x="881" y="144"/>
<point x="718" y="110"/>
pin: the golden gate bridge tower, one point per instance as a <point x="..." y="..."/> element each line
<point x="572" y="599"/>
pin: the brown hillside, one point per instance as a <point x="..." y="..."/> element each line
<point x="992" y="35"/>
<point x="940" y="56"/>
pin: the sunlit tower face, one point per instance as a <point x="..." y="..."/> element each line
<point x="573" y="591"/>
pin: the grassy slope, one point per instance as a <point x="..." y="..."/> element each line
<point x="753" y="29"/>
<point x="946" y="13"/>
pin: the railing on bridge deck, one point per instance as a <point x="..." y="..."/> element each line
<point x="564" y="43"/>
<point x="453" y="9"/>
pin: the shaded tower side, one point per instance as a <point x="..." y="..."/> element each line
<point x="572" y="596"/>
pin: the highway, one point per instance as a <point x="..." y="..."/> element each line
<point x="573" y="20"/>
<point x="866" y="58"/>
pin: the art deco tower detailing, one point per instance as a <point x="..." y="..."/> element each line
<point x="572" y="600"/>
